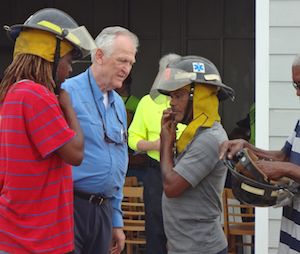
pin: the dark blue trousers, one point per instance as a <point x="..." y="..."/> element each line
<point x="156" y="240"/>
<point x="93" y="227"/>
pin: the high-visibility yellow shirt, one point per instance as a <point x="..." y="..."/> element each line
<point x="130" y="102"/>
<point x="146" y="124"/>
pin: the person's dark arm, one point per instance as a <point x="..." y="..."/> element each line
<point x="275" y="170"/>
<point x="230" y="148"/>
<point x="173" y="183"/>
<point x="72" y="151"/>
<point x="274" y="164"/>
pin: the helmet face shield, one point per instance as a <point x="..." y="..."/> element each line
<point x="81" y="38"/>
<point x="168" y="80"/>
<point x="186" y="70"/>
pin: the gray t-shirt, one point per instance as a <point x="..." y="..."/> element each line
<point x="192" y="221"/>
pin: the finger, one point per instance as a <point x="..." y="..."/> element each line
<point x="166" y="118"/>
<point x="232" y="151"/>
<point x="122" y="246"/>
<point x="223" y="150"/>
<point x="114" y="250"/>
<point x="167" y="111"/>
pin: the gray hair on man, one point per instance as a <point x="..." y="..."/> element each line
<point x="105" y="39"/>
<point x="166" y="59"/>
<point x="296" y="61"/>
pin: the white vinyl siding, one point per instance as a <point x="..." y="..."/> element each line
<point x="284" y="106"/>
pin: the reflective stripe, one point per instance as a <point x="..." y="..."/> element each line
<point x="256" y="191"/>
<point x="50" y="25"/>
<point x="210" y="77"/>
<point x="274" y="193"/>
<point x="71" y="37"/>
<point x="253" y="190"/>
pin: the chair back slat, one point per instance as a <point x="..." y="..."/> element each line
<point x="134" y="218"/>
<point x="238" y="221"/>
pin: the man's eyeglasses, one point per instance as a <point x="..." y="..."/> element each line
<point x="296" y="85"/>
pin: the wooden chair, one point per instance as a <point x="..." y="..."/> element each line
<point x="131" y="181"/>
<point x="134" y="219"/>
<point x="238" y="222"/>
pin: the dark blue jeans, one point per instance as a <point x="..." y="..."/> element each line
<point x="156" y="241"/>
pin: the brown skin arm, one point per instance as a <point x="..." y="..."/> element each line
<point x="275" y="170"/>
<point x="72" y="151"/>
<point x="230" y="148"/>
<point x="173" y="183"/>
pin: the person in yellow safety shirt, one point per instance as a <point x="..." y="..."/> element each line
<point x="252" y="124"/>
<point x="137" y="161"/>
<point x="129" y="100"/>
<point x="144" y="136"/>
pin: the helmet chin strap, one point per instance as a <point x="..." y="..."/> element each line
<point x="189" y="109"/>
<point x="56" y="60"/>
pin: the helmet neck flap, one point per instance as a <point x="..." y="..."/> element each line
<point x="205" y="105"/>
<point x="63" y="27"/>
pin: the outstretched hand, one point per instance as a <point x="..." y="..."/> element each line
<point x="230" y="148"/>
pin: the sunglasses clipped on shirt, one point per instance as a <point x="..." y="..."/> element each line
<point x="296" y="84"/>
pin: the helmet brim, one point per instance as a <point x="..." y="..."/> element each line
<point x="251" y="192"/>
<point x="79" y="37"/>
<point x="172" y="79"/>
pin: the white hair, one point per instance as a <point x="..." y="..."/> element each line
<point x="107" y="36"/>
<point x="296" y="61"/>
<point x="166" y="59"/>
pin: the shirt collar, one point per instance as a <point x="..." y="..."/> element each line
<point x="96" y="90"/>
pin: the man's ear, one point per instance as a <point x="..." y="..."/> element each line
<point x="99" y="56"/>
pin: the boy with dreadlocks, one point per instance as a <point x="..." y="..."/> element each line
<point x="39" y="135"/>
<point x="194" y="180"/>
